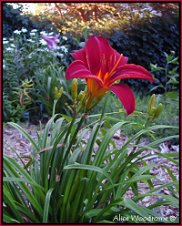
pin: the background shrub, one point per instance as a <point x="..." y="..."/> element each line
<point x="30" y="59"/>
<point x="146" y="42"/>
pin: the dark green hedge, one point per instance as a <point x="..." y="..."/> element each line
<point x="146" y="42"/>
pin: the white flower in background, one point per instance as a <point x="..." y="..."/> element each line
<point x="40" y="50"/>
<point x="30" y="55"/>
<point x="4" y="39"/>
<point x="51" y="33"/>
<point x="34" y="31"/>
<point x="17" y="32"/>
<point x="32" y="34"/>
<point x="43" y="42"/>
<point x="12" y="45"/>
<point x="30" y="40"/>
<point x="11" y="39"/>
<point x="64" y="38"/>
<point x="5" y="42"/>
<point x="9" y="49"/>
<point x="4" y="64"/>
<point x="24" y="30"/>
<point x="59" y="55"/>
<point x="43" y="50"/>
<point x="64" y="49"/>
<point x="43" y="33"/>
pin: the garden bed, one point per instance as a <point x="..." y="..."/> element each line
<point x="14" y="143"/>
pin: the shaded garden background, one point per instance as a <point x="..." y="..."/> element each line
<point x="145" y="32"/>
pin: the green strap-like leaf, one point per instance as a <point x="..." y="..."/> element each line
<point x="46" y="205"/>
<point x="90" y="168"/>
<point x="142" y="211"/>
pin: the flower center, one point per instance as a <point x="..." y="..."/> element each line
<point x="106" y="77"/>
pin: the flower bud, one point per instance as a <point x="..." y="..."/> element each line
<point x="151" y="108"/>
<point x="158" y="110"/>
<point x="55" y="90"/>
<point x="81" y="95"/>
<point x="74" y="89"/>
<point x="58" y="92"/>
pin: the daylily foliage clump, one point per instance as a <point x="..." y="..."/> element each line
<point x="102" y="67"/>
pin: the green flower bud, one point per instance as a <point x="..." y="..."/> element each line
<point x="74" y="89"/>
<point x="151" y="108"/>
<point x="58" y="92"/>
<point x="81" y="95"/>
<point x="158" y="110"/>
<point x="55" y="90"/>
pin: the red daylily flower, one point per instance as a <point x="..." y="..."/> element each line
<point x="102" y="66"/>
<point x="51" y="41"/>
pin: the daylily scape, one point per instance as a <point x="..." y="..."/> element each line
<point x="102" y="67"/>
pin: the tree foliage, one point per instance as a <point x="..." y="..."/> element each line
<point x="99" y="17"/>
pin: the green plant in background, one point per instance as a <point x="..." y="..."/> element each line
<point x="14" y="108"/>
<point x="171" y="75"/>
<point x="23" y="92"/>
<point x="26" y="58"/>
<point x="46" y="80"/>
<point x="169" y="115"/>
<point x="169" y="88"/>
<point x="11" y="111"/>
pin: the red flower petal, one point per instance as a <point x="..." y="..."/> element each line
<point x="77" y="69"/>
<point x="130" y="71"/>
<point x="94" y="52"/>
<point x="79" y="55"/>
<point x="100" y="55"/>
<point x="126" y="96"/>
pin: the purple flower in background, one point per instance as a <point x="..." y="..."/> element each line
<point x="51" y="41"/>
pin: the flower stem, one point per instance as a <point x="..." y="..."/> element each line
<point x="54" y="107"/>
<point x="60" y="170"/>
<point x="72" y="141"/>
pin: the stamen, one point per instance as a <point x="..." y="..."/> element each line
<point x="100" y="74"/>
<point x="108" y="74"/>
<point x="116" y="64"/>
